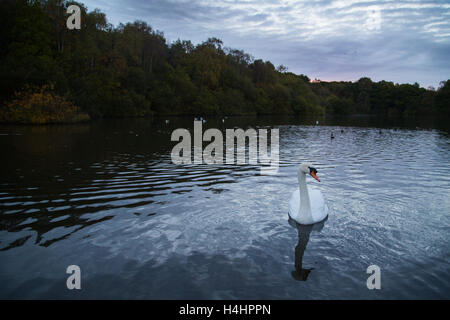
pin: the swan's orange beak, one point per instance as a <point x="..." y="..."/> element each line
<point x="314" y="176"/>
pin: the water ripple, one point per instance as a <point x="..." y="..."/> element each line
<point x="126" y="210"/>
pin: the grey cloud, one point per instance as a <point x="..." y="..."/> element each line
<point x="325" y="39"/>
<point x="258" y="17"/>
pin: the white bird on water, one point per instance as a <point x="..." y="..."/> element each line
<point x="307" y="206"/>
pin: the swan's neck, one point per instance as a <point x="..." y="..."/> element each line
<point x="305" y="206"/>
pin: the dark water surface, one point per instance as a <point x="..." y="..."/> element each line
<point x="106" y="197"/>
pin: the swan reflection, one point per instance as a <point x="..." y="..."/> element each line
<point x="304" y="231"/>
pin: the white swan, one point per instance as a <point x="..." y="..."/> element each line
<point x="307" y="206"/>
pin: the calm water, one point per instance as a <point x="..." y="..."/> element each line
<point x="105" y="196"/>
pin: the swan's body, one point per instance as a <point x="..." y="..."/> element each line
<point x="307" y="206"/>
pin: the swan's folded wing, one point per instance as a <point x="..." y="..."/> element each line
<point x="294" y="204"/>
<point x="319" y="208"/>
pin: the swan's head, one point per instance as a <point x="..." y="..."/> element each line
<point x="307" y="168"/>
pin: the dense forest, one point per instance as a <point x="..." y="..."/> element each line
<point x="52" y="74"/>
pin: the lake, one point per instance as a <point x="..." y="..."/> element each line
<point x="106" y="196"/>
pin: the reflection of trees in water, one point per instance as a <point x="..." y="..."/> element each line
<point x="51" y="171"/>
<point x="304" y="231"/>
<point x="58" y="177"/>
<point x="75" y="170"/>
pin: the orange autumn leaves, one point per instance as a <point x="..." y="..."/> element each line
<point x="40" y="105"/>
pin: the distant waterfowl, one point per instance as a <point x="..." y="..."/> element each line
<point x="332" y="136"/>
<point x="342" y="130"/>
<point x="307" y="206"/>
<point x="317" y="122"/>
<point x="167" y="121"/>
<point x="223" y="120"/>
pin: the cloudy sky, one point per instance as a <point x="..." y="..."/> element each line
<point x="399" y="41"/>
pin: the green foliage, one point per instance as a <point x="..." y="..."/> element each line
<point x="365" y="96"/>
<point x="130" y="70"/>
<point x="443" y="98"/>
<point x="339" y="106"/>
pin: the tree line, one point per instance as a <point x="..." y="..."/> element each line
<point x="131" y="70"/>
